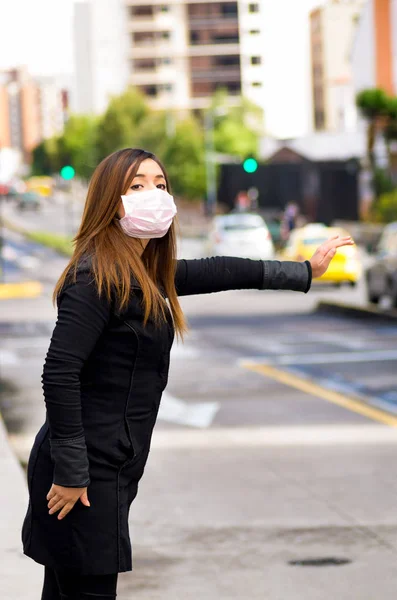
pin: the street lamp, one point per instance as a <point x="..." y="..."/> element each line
<point x="210" y="162"/>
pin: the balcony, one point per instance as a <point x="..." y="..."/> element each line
<point x="211" y="49"/>
<point x="211" y="22"/>
<point x="216" y="74"/>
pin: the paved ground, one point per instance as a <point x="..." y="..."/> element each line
<point x="248" y="471"/>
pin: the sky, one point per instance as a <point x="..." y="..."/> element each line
<point x="37" y="33"/>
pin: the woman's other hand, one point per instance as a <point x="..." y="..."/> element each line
<point x="64" y="498"/>
<point x="325" y="253"/>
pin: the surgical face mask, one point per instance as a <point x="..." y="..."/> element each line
<point x="148" y="214"/>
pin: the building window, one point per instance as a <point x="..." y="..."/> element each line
<point x="143" y="38"/>
<point x="141" y="11"/>
<point x="225" y="38"/>
<point x="144" y="64"/>
<point x="227" y="61"/>
<point x="253" y="7"/>
<point x="164" y="8"/>
<point x="166" y="61"/>
<point x="254" y="31"/>
<point x="165" y="87"/>
<point x="256" y="60"/>
<point x="165" y="35"/>
<point x="149" y="90"/>
<point x="194" y="37"/>
<point x="256" y="84"/>
<point x="229" y="9"/>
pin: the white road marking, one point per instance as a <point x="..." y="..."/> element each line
<point x="262" y="437"/>
<point x="197" y="414"/>
<point x="323" y="358"/>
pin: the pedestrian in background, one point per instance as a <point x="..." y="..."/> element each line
<point x="107" y="366"/>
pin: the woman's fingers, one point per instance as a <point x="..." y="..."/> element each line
<point x="57" y="506"/>
<point x="54" y="500"/>
<point x="337" y="242"/>
<point x="66" y="509"/>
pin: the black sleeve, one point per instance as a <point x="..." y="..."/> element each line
<point x="82" y="317"/>
<point x="221" y="273"/>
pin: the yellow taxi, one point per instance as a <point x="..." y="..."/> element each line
<point x="345" y="267"/>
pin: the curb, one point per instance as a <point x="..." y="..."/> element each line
<point x="351" y="310"/>
<point x="25" y="289"/>
<point x="13" y="504"/>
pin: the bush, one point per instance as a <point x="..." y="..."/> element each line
<point x="384" y="209"/>
<point x="59" y="243"/>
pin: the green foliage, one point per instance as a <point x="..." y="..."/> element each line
<point x="184" y="160"/>
<point x="77" y="145"/>
<point x="233" y="137"/>
<point x="118" y="126"/>
<point x="178" y="141"/>
<point x="41" y="160"/>
<point x="384" y="209"/>
<point x="382" y="182"/>
<point x="151" y="135"/>
<point x="372" y="103"/>
<point x="59" y="243"/>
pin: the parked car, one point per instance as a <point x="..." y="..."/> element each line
<point x="346" y="265"/>
<point x="29" y="200"/>
<point x="381" y="276"/>
<point x="240" y="234"/>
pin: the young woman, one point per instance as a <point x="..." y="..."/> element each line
<point x="107" y="366"/>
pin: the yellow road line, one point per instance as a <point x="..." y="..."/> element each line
<point x="26" y="289"/>
<point x="314" y="389"/>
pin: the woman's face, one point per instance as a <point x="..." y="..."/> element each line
<point x="148" y="177"/>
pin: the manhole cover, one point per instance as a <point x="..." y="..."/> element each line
<point x="319" y="562"/>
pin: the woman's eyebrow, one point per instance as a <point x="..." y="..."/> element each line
<point x="144" y="176"/>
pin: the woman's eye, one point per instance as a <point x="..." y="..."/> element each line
<point x="161" y="186"/>
<point x="136" y="186"/>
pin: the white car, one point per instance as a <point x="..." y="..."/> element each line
<point x="241" y="234"/>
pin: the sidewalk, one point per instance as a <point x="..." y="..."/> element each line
<point x="20" y="577"/>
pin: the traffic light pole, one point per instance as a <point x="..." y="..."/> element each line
<point x="2" y="261"/>
<point x="210" y="167"/>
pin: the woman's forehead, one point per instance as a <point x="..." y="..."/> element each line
<point x="149" y="167"/>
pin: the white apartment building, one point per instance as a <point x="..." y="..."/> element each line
<point x="332" y="34"/>
<point x="51" y="106"/>
<point x="182" y="51"/>
<point x="100" y="54"/>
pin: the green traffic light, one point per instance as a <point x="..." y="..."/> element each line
<point x="250" y="165"/>
<point x="67" y="172"/>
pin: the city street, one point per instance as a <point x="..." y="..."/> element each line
<point x="275" y="443"/>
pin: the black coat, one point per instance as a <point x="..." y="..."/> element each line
<point x="103" y="378"/>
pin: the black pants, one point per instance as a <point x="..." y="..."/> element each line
<point x="68" y="585"/>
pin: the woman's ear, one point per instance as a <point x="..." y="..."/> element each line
<point x="121" y="211"/>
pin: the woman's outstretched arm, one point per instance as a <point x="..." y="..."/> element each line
<point x="221" y="273"/>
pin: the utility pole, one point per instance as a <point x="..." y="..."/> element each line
<point x="210" y="167"/>
<point x="2" y="261"/>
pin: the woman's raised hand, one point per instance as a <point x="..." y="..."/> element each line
<point x="64" y="498"/>
<point x="325" y="253"/>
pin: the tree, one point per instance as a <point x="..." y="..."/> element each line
<point x="184" y="159"/>
<point x="152" y="135"/>
<point x="118" y="126"/>
<point x="77" y="145"/>
<point x="236" y="128"/>
<point x="41" y="160"/>
<point x="372" y="104"/>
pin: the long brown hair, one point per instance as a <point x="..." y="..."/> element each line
<point x="115" y="256"/>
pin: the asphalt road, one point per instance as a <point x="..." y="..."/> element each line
<point x="275" y="443"/>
